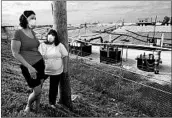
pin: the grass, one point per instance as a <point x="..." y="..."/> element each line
<point x="100" y="94"/>
<point x="15" y="90"/>
<point x="152" y="102"/>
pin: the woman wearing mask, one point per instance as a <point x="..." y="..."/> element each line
<point x="55" y="56"/>
<point x="24" y="48"/>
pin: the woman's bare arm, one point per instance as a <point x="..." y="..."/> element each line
<point x="15" y="48"/>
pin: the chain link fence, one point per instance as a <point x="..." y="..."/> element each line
<point x="111" y="78"/>
<point x="108" y="76"/>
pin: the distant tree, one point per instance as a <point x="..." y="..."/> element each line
<point x="166" y="20"/>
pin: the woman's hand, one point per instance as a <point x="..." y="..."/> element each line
<point x="32" y="72"/>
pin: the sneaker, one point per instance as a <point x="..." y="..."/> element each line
<point x="53" y="106"/>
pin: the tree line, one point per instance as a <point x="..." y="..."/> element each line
<point x="167" y="20"/>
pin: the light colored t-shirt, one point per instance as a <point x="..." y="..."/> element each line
<point x="29" y="47"/>
<point x="53" y="57"/>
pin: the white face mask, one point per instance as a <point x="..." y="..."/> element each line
<point x="51" y="38"/>
<point x="32" y="23"/>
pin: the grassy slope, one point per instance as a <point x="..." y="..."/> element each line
<point x="92" y="88"/>
<point x="150" y="101"/>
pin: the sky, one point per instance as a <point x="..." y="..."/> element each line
<point x="87" y="11"/>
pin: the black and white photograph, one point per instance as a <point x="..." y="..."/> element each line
<point x="86" y="58"/>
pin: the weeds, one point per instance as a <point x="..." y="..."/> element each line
<point x="100" y="94"/>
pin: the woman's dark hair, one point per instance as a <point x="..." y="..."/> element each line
<point x="54" y="33"/>
<point x="23" y="20"/>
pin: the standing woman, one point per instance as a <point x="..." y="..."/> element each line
<point x="55" y="56"/>
<point x="24" y="48"/>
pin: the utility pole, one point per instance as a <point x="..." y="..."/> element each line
<point x="59" y="13"/>
<point x="154" y="30"/>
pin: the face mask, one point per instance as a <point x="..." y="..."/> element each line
<point x="32" y="23"/>
<point x="51" y="38"/>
